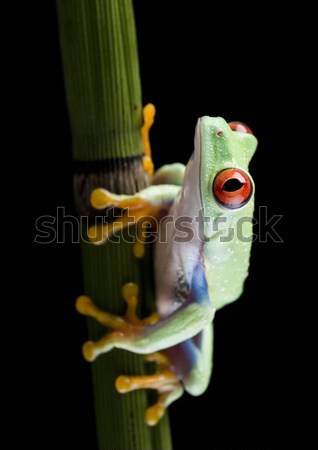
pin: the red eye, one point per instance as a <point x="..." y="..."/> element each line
<point x="232" y="188"/>
<point x="241" y="127"/>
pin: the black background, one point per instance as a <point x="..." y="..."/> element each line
<point x="193" y="62"/>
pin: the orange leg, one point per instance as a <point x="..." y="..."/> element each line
<point x="138" y="211"/>
<point x="163" y="380"/>
<point x="98" y="234"/>
<point x="130" y="294"/>
<point x="121" y="327"/>
<point x="101" y="199"/>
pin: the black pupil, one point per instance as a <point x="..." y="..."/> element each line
<point x="232" y="185"/>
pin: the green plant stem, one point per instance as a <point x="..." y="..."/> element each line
<point x="103" y="91"/>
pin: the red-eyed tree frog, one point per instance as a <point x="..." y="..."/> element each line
<point x="201" y="259"/>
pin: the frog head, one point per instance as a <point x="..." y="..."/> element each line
<point x="224" y="151"/>
<point x="226" y="187"/>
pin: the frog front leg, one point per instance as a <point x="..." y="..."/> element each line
<point x="192" y="359"/>
<point x="146" y="205"/>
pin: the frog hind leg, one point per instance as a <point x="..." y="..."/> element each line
<point x="163" y="380"/>
<point x="192" y="361"/>
<point x="198" y="377"/>
<point x="192" y="358"/>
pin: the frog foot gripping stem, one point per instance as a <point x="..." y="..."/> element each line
<point x="139" y="211"/>
<point x="163" y="380"/>
<point x="138" y="208"/>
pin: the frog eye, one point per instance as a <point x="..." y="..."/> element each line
<point x="232" y="188"/>
<point x="241" y="127"/>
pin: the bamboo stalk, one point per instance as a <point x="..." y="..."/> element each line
<point x="103" y="92"/>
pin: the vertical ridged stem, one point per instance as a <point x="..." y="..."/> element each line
<point x="102" y="77"/>
<point x="103" y="91"/>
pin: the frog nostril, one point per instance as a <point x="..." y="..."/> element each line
<point x="219" y="133"/>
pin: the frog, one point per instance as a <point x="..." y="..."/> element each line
<point x="201" y="259"/>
